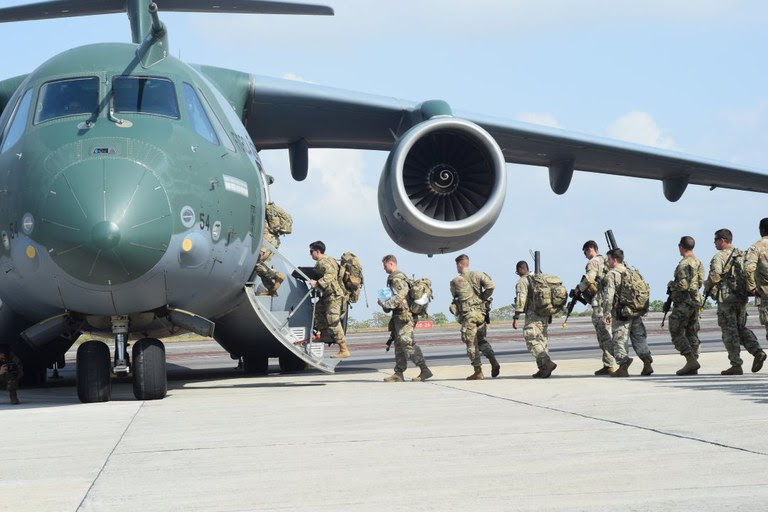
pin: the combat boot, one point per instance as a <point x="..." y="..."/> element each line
<point x="757" y="364"/>
<point x="478" y="375"/>
<point x="495" y="366"/>
<point x="424" y="375"/>
<point x="343" y="351"/>
<point x="647" y="368"/>
<point x="623" y="370"/>
<point x="279" y="278"/>
<point x="605" y="370"/>
<point x="395" y="377"/>
<point x="547" y="369"/>
<point x="537" y="375"/>
<point x="691" y="366"/>
<point x="733" y="370"/>
<point x="14" y="397"/>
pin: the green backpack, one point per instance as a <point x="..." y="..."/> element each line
<point x="549" y="295"/>
<point x="633" y="295"/>
<point x="351" y="275"/>
<point x="419" y="296"/>
<point x="736" y="274"/>
<point x="279" y="221"/>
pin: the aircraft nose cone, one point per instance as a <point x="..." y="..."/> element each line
<point x="105" y="235"/>
<point x="105" y="220"/>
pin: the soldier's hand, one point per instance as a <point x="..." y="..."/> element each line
<point x="607" y="320"/>
<point x="378" y="301"/>
<point x="753" y="292"/>
<point x="514" y="323"/>
<point x="313" y="283"/>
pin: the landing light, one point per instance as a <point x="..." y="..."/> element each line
<point x="186" y="245"/>
<point x="31" y="252"/>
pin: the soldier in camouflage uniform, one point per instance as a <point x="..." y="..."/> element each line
<point x="471" y="291"/>
<point x="590" y="287"/>
<point x="10" y="373"/>
<point x="756" y="268"/>
<point x="731" y="304"/>
<point x="270" y="278"/>
<point x="623" y="330"/>
<point x="686" y="302"/>
<point x="535" y="328"/>
<point x="328" y="309"/>
<point x="402" y="323"/>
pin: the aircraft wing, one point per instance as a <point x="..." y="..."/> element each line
<point x="282" y="112"/>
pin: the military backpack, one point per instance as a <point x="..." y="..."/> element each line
<point x="548" y="294"/>
<point x="351" y="275"/>
<point x="633" y="295"/>
<point x="735" y="275"/>
<point x="279" y="221"/>
<point x="419" y="296"/>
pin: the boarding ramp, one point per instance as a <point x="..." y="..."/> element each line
<point x="262" y="326"/>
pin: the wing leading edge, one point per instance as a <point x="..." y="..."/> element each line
<point x="281" y="113"/>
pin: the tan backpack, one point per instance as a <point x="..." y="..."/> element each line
<point x="548" y="294"/>
<point x="279" y="221"/>
<point x="351" y="275"/>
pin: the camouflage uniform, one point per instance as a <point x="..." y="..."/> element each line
<point x="402" y="323"/>
<point x="686" y="301"/>
<point x="590" y="285"/>
<point x="471" y="291"/>
<point x="756" y="267"/>
<point x="731" y="307"/>
<point x="267" y="274"/>
<point x="623" y="331"/>
<point x="535" y="329"/>
<point x="10" y="380"/>
<point x="328" y="310"/>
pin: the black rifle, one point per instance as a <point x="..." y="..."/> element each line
<point x="667" y="306"/>
<point x="610" y="240"/>
<point x="576" y="296"/>
<point x="536" y="262"/>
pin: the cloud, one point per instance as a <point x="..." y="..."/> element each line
<point x="539" y="118"/>
<point x="640" y="128"/>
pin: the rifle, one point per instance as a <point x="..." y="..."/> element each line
<point x="610" y="240"/>
<point x="575" y="296"/>
<point x="667" y="306"/>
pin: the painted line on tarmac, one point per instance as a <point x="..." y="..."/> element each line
<point x="604" y="420"/>
<point x="106" y="461"/>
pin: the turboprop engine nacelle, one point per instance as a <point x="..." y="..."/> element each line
<point x="442" y="187"/>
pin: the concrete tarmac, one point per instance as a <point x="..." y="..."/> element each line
<point x="313" y="442"/>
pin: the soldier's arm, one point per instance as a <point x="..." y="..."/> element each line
<point x="488" y="287"/>
<point x="399" y="299"/>
<point x="750" y="267"/>
<point x="715" y="271"/>
<point x="329" y="275"/>
<point x="682" y="278"/>
<point x="521" y="296"/>
<point x="590" y="275"/>
<point x="609" y="291"/>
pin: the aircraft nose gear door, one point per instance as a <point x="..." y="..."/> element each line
<point x="264" y="326"/>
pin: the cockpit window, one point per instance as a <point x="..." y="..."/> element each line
<point x="69" y="97"/>
<point x="18" y="123"/>
<point x="144" y="95"/>
<point x="197" y="116"/>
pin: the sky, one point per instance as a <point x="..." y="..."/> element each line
<point x="684" y="75"/>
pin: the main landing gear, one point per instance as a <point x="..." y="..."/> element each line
<point x="146" y="364"/>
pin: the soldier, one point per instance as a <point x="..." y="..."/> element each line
<point x="328" y="309"/>
<point x="623" y="329"/>
<point x="590" y="287"/>
<point x="401" y="323"/>
<point x="686" y="302"/>
<point x="471" y="291"/>
<point x="535" y="329"/>
<point x="10" y="373"/>
<point x="731" y="300"/>
<point x="756" y="268"/>
<point x="277" y="222"/>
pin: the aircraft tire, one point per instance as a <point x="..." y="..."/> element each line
<point x="289" y="363"/>
<point x="150" y="380"/>
<point x="255" y="364"/>
<point x="94" y="379"/>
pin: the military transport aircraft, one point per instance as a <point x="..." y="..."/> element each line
<point x="132" y="194"/>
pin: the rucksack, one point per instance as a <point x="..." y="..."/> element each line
<point x="351" y="275"/>
<point x="279" y="221"/>
<point x="419" y="296"/>
<point x="633" y="295"/>
<point x="736" y="274"/>
<point x="549" y="295"/>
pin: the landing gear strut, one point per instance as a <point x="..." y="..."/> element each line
<point x="120" y="330"/>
